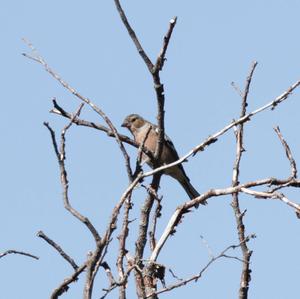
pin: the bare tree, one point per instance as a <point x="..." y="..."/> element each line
<point x="147" y="272"/>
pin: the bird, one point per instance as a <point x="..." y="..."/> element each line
<point x="146" y="133"/>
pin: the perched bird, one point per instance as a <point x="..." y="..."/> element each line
<point x="144" y="131"/>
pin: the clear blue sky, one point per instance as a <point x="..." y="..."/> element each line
<point x="213" y="44"/>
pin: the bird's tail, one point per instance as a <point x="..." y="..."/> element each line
<point x="190" y="190"/>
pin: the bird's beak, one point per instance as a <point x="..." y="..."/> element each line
<point x="125" y="124"/>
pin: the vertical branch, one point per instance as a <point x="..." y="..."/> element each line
<point x="144" y="219"/>
<point x="122" y="246"/>
<point x="156" y="215"/>
<point x="101" y="250"/>
<point x="159" y="89"/>
<point x="162" y="54"/>
<point x="145" y="284"/>
<point x="154" y="71"/>
<point x="245" y="276"/>
<point x="144" y="281"/>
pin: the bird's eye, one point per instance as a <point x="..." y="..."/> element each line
<point x="133" y="119"/>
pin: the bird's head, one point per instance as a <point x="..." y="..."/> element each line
<point x="133" y="122"/>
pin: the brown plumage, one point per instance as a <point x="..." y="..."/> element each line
<point x="139" y="127"/>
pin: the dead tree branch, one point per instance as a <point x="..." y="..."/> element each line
<point x="122" y="245"/>
<point x="133" y="36"/>
<point x="213" y="138"/>
<point x="156" y="215"/>
<point x="65" y="285"/>
<point x="147" y="285"/>
<point x="36" y="57"/>
<point x="40" y="234"/>
<point x="61" y="156"/>
<point x="12" y="251"/>
<point x="196" y="277"/>
<point x="146" y="270"/>
<point x="288" y="153"/>
<point x="80" y="122"/>
<point x="239" y="133"/>
<point x="185" y="208"/>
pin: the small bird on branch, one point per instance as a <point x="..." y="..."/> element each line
<point x="145" y="133"/>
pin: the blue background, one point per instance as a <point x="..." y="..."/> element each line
<point x="214" y="43"/>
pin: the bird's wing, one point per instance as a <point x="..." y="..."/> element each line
<point x="170" y="145"/>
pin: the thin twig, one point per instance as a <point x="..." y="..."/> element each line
<point x="174" y="275"/>
<point x="108" y="272"/>
<point x="36" y="57"/>
<point x="81" y="122"/>
<point x="160" y="93"/>
<point x="209" y="250"/>
<point x="273" y="195"/>
<point x="185" y="208"/>
<point x="121" y="283"/>
<point x="213" y="138"/>
<point x="288" y="153"/>
<point x="12" y="251"/>
<point x="199" y="275"/>
<point x="162" y="55"/>
<point x="159" y="90"/>
<point x="40" y="234"/>
<point x="133" y="36"/>
<point x="237" y="89"/>
<point x="202" y="146"/>
<point x="61" y="155"/>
